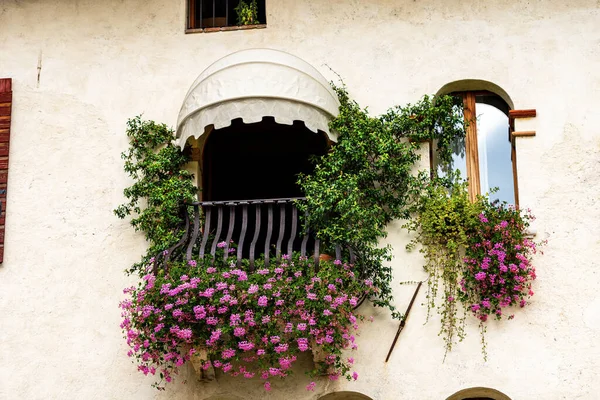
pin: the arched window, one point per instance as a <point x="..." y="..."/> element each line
<point x="345" y="396"/>
<point x="487" y="157"/>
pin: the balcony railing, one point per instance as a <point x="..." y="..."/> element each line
<point x="267" y="227"/>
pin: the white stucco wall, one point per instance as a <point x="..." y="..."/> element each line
<point x="103" y="62"/>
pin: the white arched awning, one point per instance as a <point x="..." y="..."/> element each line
<point x="256" y="83"/>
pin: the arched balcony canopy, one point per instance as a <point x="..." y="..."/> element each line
<point x="252" y="84"/>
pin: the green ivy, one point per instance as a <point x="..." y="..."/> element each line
<point x="368" y="178"/>
<point x="161" y="185"/>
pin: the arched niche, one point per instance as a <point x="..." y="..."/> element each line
<point x="345" y="396"/>
<point x="467" y="85"/>
<point x="478" y="393"/>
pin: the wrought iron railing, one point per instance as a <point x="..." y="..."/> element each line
<point x="267" y="228"/>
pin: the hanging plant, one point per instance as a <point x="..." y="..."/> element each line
<point x="478" y="252"/>
<point x="245" y="323"/>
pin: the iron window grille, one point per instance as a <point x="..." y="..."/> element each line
<point x="203" y="14"/>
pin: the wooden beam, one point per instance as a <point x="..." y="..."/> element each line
<point x="522" y="113"/>
<point x="523" y="133"/>
<point x="513" y="158"/>
<point x="471" y="145"/>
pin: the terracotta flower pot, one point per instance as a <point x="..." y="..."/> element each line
<point x="325" y="257"/>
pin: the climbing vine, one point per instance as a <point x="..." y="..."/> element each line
<point x="477" y="256"/>
<point x="368" y="178"/>
<point x="161" y="185"/>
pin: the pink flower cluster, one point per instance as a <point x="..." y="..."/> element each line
<point x="248" y="323"/>
<point x="499" y="269"/>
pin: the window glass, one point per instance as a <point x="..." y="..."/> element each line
<point x="459" y="161"/>
<point x="493" y="149"/>
<point x="495" y="165"/>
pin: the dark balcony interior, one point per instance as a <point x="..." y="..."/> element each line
<point x="258" y="161"/>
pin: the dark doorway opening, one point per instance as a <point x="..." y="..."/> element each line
<point x="259" y="161"/>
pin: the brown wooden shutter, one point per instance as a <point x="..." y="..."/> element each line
<point x="5" y="111"/>
<point x="512" y="115"/>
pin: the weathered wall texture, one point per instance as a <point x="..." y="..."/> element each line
<point x="105" y="61"/>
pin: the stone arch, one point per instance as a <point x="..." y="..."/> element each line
<point x="466" y="85"/>
<point x="345" y="396"/>
<point x="478" y="393"/>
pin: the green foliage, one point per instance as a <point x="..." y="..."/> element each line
<point x="438" y="119"/>
<point x="368" y="178"/>
<point x="476" y="255"/>
<point x="160" y="185"/>
<point x="247" y="13"/>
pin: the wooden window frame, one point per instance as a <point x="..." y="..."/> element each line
<point x="195" y="25"/>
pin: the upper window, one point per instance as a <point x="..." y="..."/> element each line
<point x="206" y="14"/>
<point x="487" y="155"/>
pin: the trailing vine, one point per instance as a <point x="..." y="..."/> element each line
<point x="442" y="222"/>
<point x="161" y="186"/>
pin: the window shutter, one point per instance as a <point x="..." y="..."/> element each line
<point x="5" y="111"/>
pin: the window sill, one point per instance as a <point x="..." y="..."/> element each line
<point x="226" y="28"/>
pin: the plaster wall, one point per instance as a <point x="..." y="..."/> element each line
<point x="104" y="62"/>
